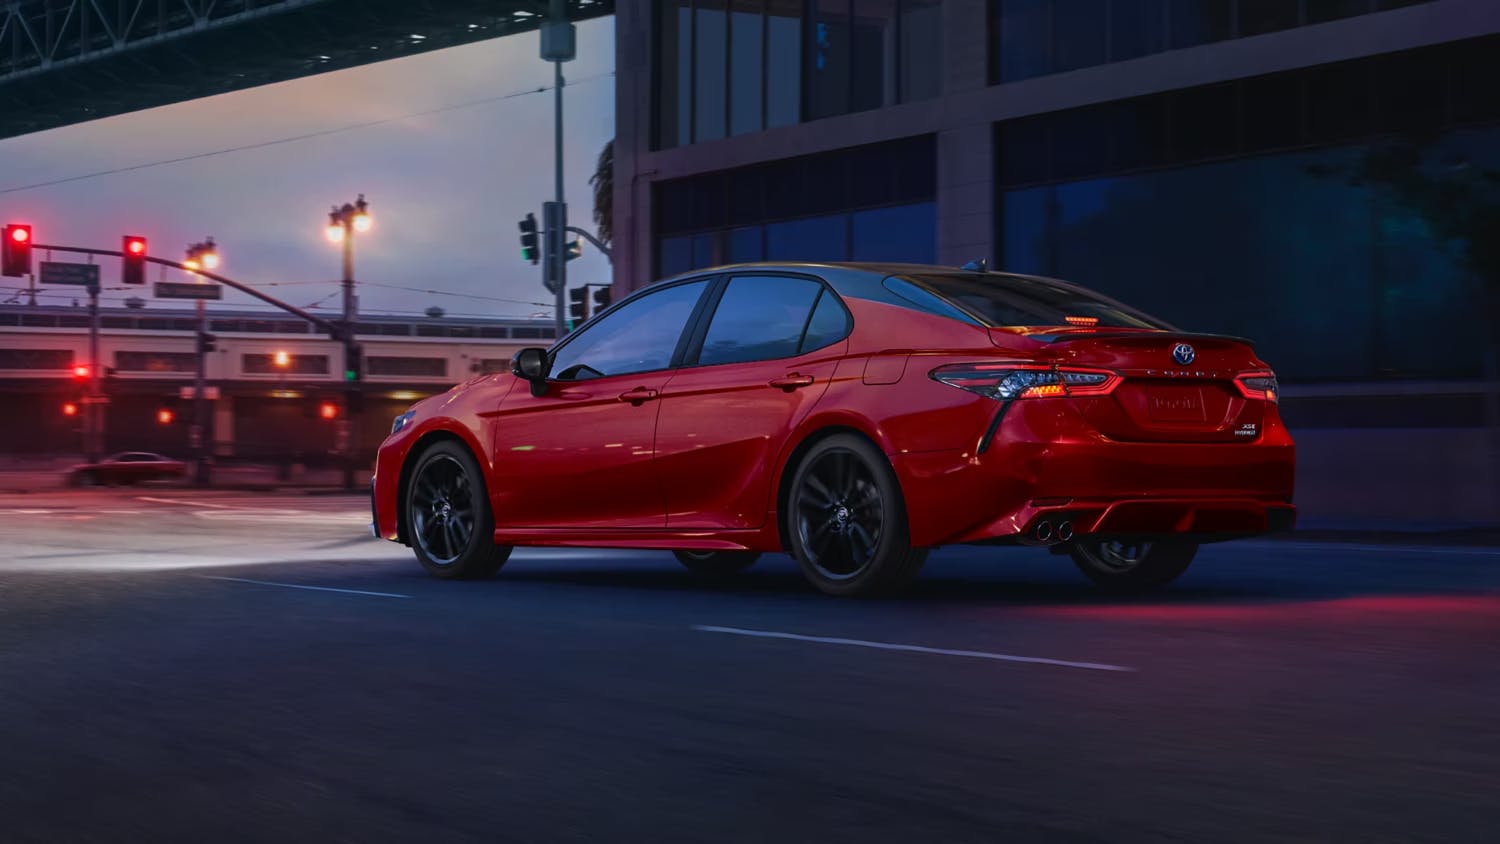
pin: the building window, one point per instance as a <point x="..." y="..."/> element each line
<point x="1331" y="255"/>
<point x="417" y="367"/>
<point x="733" y="67"/>
<point x="259" y="364"/>
<point x="58" y="359"/>
<point x="1040" y="37"/>
<point x="492" y="366"/>
<point x="870" y="203"/>
<point x="156" y="361"/>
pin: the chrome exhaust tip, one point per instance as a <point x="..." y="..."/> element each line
<point x="1064" y="531"/>
<point x="1044" y="531"/>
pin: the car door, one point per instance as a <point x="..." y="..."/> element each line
<point x="755" y="370"/>
<point x="579" y="455"/>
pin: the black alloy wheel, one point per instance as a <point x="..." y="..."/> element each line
<point x="448" y="515"/>
<point x="717" y="563"/>
<point x="847" y="520"/>
<point x="1132" y="565"/>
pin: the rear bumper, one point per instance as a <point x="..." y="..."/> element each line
<point x="1035" y="473"/>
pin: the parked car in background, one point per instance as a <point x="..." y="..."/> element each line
<point x="127" y="467"/>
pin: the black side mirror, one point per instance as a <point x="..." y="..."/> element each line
<point x="531" y="363"/>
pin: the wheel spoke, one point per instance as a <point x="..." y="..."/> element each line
<point x="815" y="484"/>
<point x="450" y="537"/>
<point x="861" y="542"/>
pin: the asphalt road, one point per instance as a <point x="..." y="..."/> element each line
<point x="163" y="676"/>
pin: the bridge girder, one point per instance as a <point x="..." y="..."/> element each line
<point x="67" y="61"/>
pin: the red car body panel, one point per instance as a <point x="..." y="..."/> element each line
<point x="696" y="457"/>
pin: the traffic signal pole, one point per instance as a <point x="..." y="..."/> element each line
<point x="348" y="428"/>
<point x="197" y="434"/>
<point x="558" y="46"/>
<point x="94" y="416"/>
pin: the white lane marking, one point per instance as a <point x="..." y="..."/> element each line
<point x="188" y="503"/>
<point x="301" y="586"/>
<point x="292" y="516"/>
<point x="888" y="646"/>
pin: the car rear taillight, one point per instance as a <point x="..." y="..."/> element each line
<point x="1258" y="385"/>
<point x="1007" y="381"/>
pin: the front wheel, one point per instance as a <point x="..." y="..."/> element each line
<point x="846" y="520"/>
<point x="717" y="563"/>
<point x="448" y="516"/>
<point x="1134" y="565"/>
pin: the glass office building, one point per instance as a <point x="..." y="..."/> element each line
<point x="1320" y="175"/>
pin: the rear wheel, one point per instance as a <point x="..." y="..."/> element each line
<point x="1133" y="565"/>
<point x="448" y="515"/>
<point x="846" y="520"/>
<point x="717" y="563"/>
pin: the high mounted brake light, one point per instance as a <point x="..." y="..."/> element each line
<point x="1258" y="385"/>
<point x="1085" y="321"/>
<point x="1007" y="381"/>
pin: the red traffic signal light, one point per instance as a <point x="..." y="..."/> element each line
<point x="165" y="416"/>
<point x="328" y="410"/>
<point x="133" y="269"/>
<point x="70" y="409"/>
<point x="15" y="250"/>
<point x="80" y="372"/>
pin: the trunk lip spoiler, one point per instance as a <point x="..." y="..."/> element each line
<point x="1132" y="335"/>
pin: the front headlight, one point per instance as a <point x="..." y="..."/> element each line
<point x="402" y="421"/>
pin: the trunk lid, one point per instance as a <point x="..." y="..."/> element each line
<point x="1160" y="398"/>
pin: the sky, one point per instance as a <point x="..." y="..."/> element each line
<point x="445" y="189"/>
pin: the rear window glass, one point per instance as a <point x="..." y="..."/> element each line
<point x="1007" y="300"/>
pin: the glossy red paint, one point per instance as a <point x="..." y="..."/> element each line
<point x="696" y="457"/>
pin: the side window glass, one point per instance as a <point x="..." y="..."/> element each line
<point x="829" y="324"/>
<point x="759" y="318"/>
<point x="637" y="337"/>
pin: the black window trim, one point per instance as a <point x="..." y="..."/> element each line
<point x="700" y="332"/>
<point x="678" y="351"/>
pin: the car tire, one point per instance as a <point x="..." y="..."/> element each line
<point x="846" y="521"/>
<point x="448" y="515"/>
<point x="1133" y="566"/>
<point x="717" y="563"/>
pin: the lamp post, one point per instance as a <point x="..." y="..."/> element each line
<point x="202" y="255"/>
<point x="343" y="222"/>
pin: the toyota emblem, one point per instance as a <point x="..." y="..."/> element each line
<point x="1183" y="353"/>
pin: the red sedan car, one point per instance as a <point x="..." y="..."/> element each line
<point x="854" y="416"/>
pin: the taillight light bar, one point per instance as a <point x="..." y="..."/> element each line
<point x="1258" y="385"/>
<point x="1008" y="381"/>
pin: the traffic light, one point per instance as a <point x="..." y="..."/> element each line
<point x="328" y="410"/>
<point x="81" y="372"/>
<point x="575" y="249"/>
<point x="133" y="265"/>
<point x="70" y="408"/>
<point x="165" y="416"/>
<point x="579" y="308"/>
<point x="602" y="297"/>
<point x="207" y="342"/>
<point x="352" y="357"/>
<point x="15" y="252"/>
<point x="529" y="250"/>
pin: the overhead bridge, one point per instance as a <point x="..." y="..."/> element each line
<point x="67" y="61"/>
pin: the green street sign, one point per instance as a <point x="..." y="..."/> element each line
<point x="58" y="272"/>
<point x="188" y="290"/>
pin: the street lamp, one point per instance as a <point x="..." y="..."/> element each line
<point x="343" y="222"/>
<point x="202" y="255"/>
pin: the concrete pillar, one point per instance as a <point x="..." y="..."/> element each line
<point x="965" y="151"/>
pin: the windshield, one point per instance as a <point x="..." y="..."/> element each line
<point x="1015" y="301"/>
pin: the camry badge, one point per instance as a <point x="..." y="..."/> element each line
<point x="1183" y="354"/>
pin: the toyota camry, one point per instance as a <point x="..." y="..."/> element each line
<point x="855" y="416"/>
